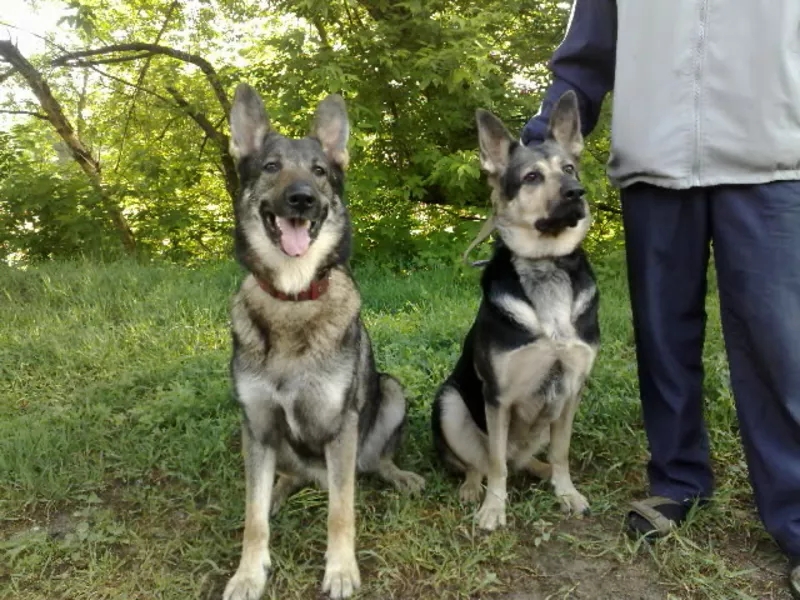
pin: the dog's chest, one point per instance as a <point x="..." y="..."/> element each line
<point x="294" y="362"/>
<point x="549" y="291"/>
<point x="310" y="404"/>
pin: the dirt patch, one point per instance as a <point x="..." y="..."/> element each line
<point x="560" y="570"/>
<point x="569" y="567"/>
<point x="579" y="577"/>
<point x="765" y="565"/>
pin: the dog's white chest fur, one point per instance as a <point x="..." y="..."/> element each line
<point x="548" y="312"/>
<point x="551" y="308"/>
<point x="309" y="400"/>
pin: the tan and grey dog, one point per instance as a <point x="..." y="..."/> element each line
<point x="315" y="408"/>
<point x="517" y="383"/>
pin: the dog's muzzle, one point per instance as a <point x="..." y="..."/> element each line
<point x="568" y="211"/>
<point x="297" y="218"/>
<point x="301" y="201"/>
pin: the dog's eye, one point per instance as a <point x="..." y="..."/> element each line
<point x="272" y="167"/>
<point x="569" y="169"/>
<point x="533" y="177"/>
<point x="318" y="171"/>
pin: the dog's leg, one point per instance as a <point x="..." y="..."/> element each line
<point x="251" y="577"/>
<point x="341" y="571"/>
<point x="403" y="481"/>
<point x="537" y="468"/>
<point x="577" y="358"/>
<point x="388" y="430"/>
<point x="526" y="460"/>
<point x="492" y="513"/>
<point x="285" y="487"/>
<point x="571" y="500"/>
<point x="464" y="446"/>
<point x="470" y="490"/>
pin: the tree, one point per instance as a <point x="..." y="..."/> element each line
<point x="412" y="73"/>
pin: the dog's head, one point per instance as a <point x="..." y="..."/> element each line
<point x="291" y="220"/>
<point x="537" y="197"/>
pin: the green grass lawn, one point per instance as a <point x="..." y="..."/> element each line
<point x="121" y="477"/>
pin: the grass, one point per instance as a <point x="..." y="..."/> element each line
<point x="120" y="472"/>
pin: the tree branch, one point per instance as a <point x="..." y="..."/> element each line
<point x="323" y="35"/>
<point x="7" y="74"/>
<point x="82" y="104"/>
<point x="454" y="213"/>
<point x="132" y="85"/>
<point x="607" y="208"/>
<point x="118" y="59"/>
<point x="594" y="155"/>
<point x="26" y="112"/>
<point x="220" y="139"/>
<point x="139" y="82"/>
<point x="202" y="147"/>
<point x="167" y="125"/>
<point x="74" y="58"/>
<point x="385" y="11"/>
<point x="88" y="64"/>
<point x="200" y="118"/>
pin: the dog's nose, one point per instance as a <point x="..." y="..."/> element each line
<point x="300" y="196"/>
<point x="573" y="193"/>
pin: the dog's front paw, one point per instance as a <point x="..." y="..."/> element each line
<point x="247" y="584"/>
<point x="408" y="482"/>
<point x="573" y="502"/>
<point x="341" y="578"/>
<point x="492" y="514"/>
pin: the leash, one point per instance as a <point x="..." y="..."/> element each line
<point x="486" y="230"/>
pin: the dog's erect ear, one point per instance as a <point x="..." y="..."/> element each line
<point x="495" y="142"/>
<point x="249" y="122"/>
<point x="332" y="129"/>
<point x="565" y="124"/>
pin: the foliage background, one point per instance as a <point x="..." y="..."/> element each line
<point x="412" y="72"/>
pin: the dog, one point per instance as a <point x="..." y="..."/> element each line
<point x="315" y="409"/>
<point x="517" y="382"/>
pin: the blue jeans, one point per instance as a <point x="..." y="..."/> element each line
<point x="755" y="231"/>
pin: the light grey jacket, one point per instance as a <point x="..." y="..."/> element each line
<point x="706" y="92"/>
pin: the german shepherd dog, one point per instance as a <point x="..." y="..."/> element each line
<point x="517" y="383"/>
<point x="314" y="407"/>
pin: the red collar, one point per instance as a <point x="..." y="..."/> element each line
<point x="317" y="288"/>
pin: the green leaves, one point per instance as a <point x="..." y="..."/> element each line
<point x="82" y="17"/>
<point x="412" y="72"/>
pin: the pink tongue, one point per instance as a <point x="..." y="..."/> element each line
<point x="294" y="237"/>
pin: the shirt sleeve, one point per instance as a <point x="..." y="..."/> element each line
<point x="584" y="62"/>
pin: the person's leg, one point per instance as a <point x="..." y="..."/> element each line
<point x="756" y="232"/>
<point x="667" y="247"/>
